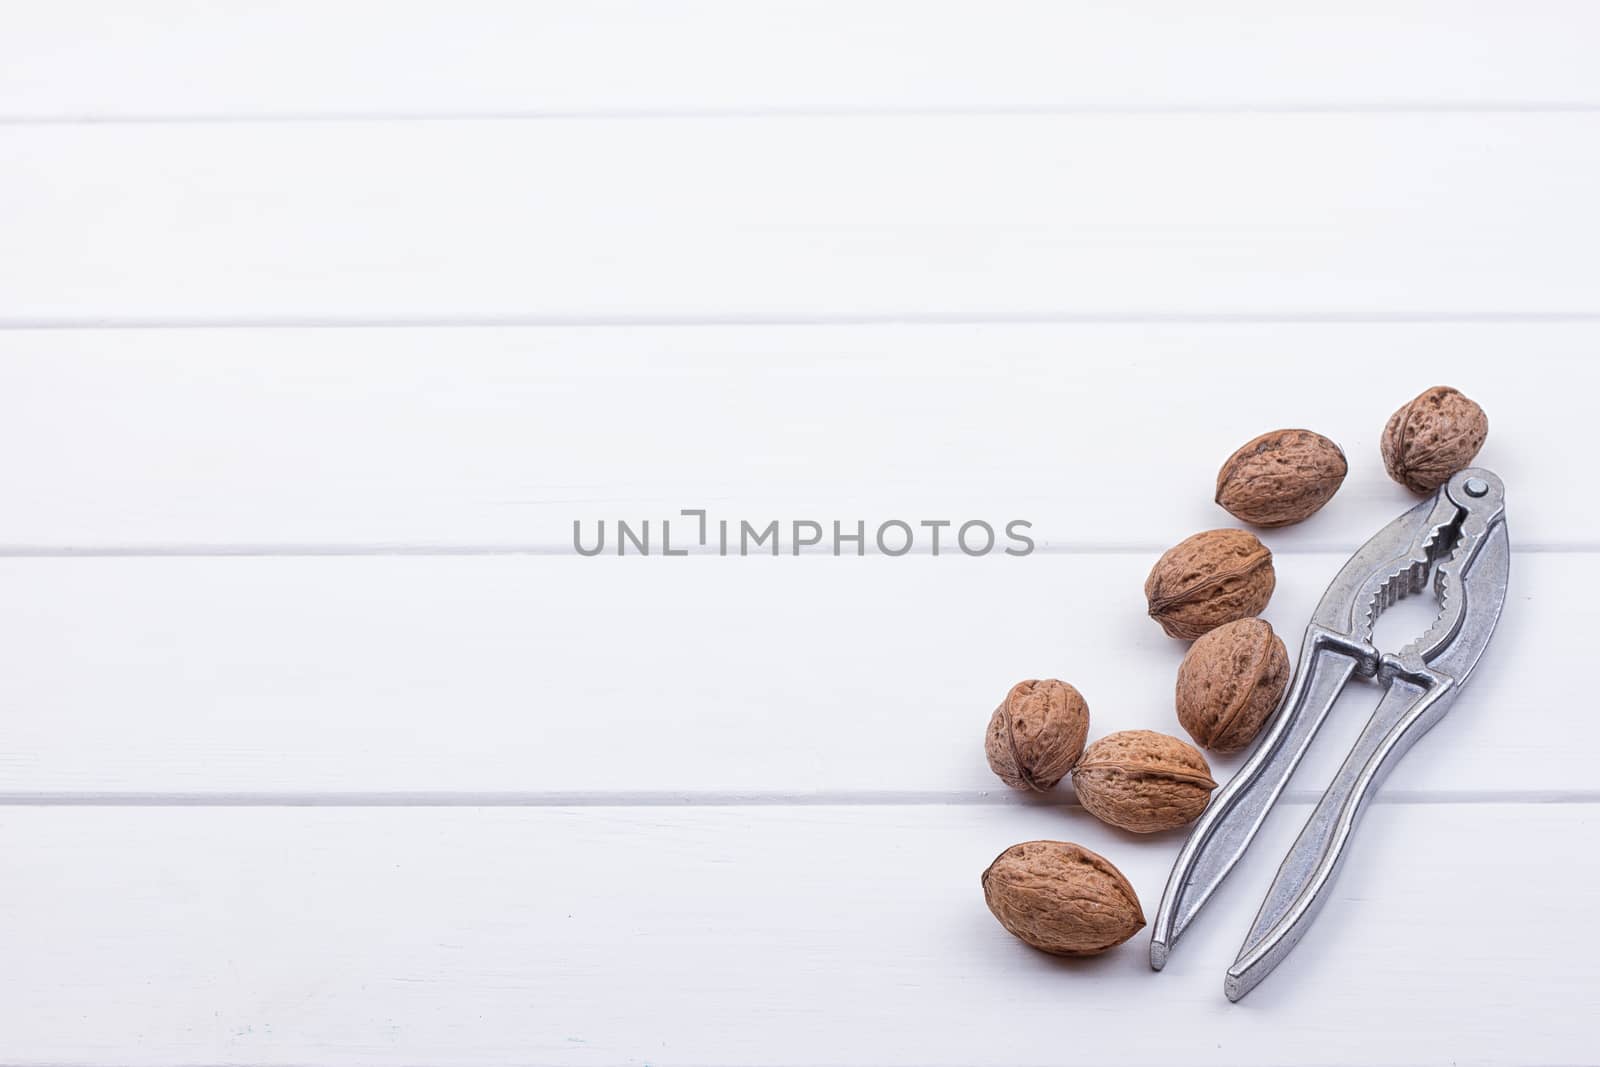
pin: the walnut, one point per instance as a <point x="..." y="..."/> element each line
<point x="1143" y="781"/>
<point x="1209" y="579"/>
<point x="1281" y="478"/>
<point x="1432" y="437"/>
<point x="1037" y="734"/>
<point x="1230" y="683"/>
<point x="1062" y="898"/>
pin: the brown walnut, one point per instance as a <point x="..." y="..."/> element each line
<point x="1433" y="437"/>
<point x="1143" y="781"/>
<point x="1207" y="580"/>
<point x="1230" y="683"/>
<point x="1037" y="734"/>
<point x="1281" y="478"/>
<point x="1062" y="898"/>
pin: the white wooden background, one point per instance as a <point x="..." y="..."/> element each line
<point x="321" y="321"/>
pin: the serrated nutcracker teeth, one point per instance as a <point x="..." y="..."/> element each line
<point x="1413" y="576"/>
<point x="1472" y="527"/>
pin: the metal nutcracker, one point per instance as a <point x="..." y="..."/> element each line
<point x="1455" y="543"/>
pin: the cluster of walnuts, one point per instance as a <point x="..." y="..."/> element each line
<point x="1210" y="589"/>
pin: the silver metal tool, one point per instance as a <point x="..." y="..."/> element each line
<point x="1458" y="538"/>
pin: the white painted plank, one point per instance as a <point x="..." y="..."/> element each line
<point x="878" y="218"/>
<point x="759" y="936"/>
<point x="541" y="677"/>
<point x="1099" y="435"/>
<point x="93" y="58"/>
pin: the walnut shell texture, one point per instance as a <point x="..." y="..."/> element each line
<point x="1037" y="734"/>
<point x="1143" y="781"/>
<point x="1062" y="898"/>
<point x="1230" y="683"/>
<point x="1209" y="579"/>
<point x="1433" y="437"/>
<point x="1281" y="478"/>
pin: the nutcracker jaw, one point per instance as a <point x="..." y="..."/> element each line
<point x="1456" y="543"/>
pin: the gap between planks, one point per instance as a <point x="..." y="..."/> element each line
<point x="711" y="799"/>
<point x="314" y="551"/>
<point x="1396" y="107"/>
<point x="623" y="321"/>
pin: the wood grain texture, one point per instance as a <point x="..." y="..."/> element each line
<point x="938" y="218"/>
<point x="540" y="678"/>
<point x="99" y="60"/>
<point x="1102" y="436"/>
<point x="764" y="936"/>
